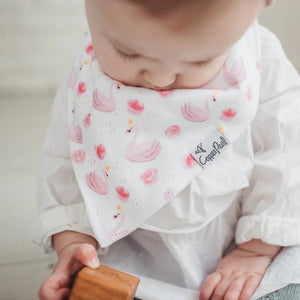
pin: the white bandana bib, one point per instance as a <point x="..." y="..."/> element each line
<point x="134" y="149"/>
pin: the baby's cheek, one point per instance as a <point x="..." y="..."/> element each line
<point x="197" y="78"/>
<point x="202" y="75"/>
<point x="124" y="75"/>
<point x="120" y="71"/>
<point x="107" y="58"/>
<point x="111" y="67"/>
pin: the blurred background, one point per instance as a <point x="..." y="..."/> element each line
<point x="38" y="39"/>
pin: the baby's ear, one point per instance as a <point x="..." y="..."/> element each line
<point x="269" y="2"/>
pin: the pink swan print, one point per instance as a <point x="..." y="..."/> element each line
<point x="142" y="152"/>
<point x="236" y="74"/>
<point x="96" y="183"/>
<point x="120" y="217"/>
<point x="75" y="133"/>
<point x="194" y="113"/>
<point x="103" y="103"/>
<point x="73" y="78"/>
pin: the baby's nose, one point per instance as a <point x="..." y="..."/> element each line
<point x="160" y="78"/>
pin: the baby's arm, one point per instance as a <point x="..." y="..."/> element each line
<point x="74" y="250"/>
<point x="240" y="272"/>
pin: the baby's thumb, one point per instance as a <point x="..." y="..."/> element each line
<point x="87" y="255"/>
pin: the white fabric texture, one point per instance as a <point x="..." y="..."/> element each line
<point x="184" y="240"/>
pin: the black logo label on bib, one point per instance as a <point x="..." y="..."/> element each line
<point x="206" y="151"/>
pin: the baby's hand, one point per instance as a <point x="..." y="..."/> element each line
<point x="70" y="260"/>
<point x="238" y="274"/>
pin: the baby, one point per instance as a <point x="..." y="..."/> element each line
<point x="217" y="85"/>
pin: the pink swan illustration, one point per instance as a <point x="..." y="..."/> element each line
<point x="194" y="113"/>
<point x="236" y="74"/>
<point x="96" y="183"/>
<point x="75" y="133"/>
<point x="104" y="103"/>
<point x="144" y="151"/>
<point x="73" y="78"/>
<point x="120" y="216"/>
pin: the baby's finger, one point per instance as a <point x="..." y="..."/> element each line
<point x="209" y="285"/>
<point x="86" y="254"/>
<point x="250" y="287"/>
<point x="55" y="287"/>
<point x="221" y="289"/>
<point x="235" y="288"/>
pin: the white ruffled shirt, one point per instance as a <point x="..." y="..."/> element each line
<point x="177" y="247"/>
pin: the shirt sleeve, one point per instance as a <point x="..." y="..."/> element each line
<point x="60" y="203"/>
<point x="271" y="203"/>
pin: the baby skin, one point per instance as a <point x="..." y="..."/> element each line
<point x="236" y="278"/>
<point x="166" y="45"/>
